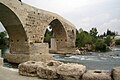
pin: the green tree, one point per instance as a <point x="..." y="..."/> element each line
<point x="3" y="38"/>
<point x="108" y="40"/>
<point x="83" y="38"/>
<point x="100" y="45"/>
<point x="93" y="32"/>
<point x="117" y="42"/>
<point x="48" y="36"/>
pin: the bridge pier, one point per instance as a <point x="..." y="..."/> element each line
<point x="38" y="52"/>
<point x="1" y="59"/>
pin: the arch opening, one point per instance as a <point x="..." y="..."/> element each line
<point x="56" y="35"/>
<point x="15" y="30"/>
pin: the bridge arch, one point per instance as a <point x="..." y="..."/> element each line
<point x="14" y="27"/>
<point x="59" y="36"/>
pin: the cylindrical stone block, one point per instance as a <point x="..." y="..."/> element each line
<point x="96" y="75"/>
<point x="116" y="73"/>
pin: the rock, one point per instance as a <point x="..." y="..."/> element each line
<point x="71" y="71"/>
<point x="29" y="68"/>
<point x="54" y="63"/>
<point x="96" y="75"/>
<point x="48" y="70"/>
<point x="77" y="51"/>
<point x="116" y="73"/>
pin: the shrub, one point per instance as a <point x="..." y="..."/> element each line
<point x="117" y="42"/>
<point x="100" y="46"/>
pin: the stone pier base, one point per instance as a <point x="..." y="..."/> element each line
<point x="1" y="61"/>
<point x="38" y="52"/>
<point x="19" y="58"/>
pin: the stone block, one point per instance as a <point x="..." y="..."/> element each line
<point x="39" y="48"/>
<point x="71" y="71"/>
<point x="41" y="57"/>
<point x="53" y="44"/>
<point x="48" y="70"/>
<point x="29" y="68"/>
<point x="96" y="75"/>
<point x="17" y="58"/>
<point x="1" y="61"/>
<point x="116" y="73"/>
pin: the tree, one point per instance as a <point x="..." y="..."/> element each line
<point x="117" y="42"/>
<point x="93" y="32"/>
<point x="83" y="38"/>
<point x="80" y="30"/>
<point x="109" y="32"/>
<point x="3" y="38"/>
<point x="48" y="36"/>
<point x="100" y="45"/>
<point x="108" y="40"/>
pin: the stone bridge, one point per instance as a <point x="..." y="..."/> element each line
<point x="26" y="27"/>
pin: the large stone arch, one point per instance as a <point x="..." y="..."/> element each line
<point x="26" y="26"/>
<point x="59" y="35"/>
<point x="16" y="32"/>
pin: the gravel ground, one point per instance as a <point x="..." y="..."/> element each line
<point x="10" y="74"/>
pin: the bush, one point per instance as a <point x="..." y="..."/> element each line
<point x="3" y="39"/>
<point x="117" y="42"/>
<point x="83" y="38"/>
<point x="108" y="40"/>
<point x="100" y="46"/>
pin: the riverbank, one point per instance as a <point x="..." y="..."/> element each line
<point x="12" y="74"/>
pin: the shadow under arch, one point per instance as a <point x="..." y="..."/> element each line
<point x="14" y="27"/>
<point x="59" y="36"/>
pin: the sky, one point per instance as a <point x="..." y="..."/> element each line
<point x="85" y="14"/>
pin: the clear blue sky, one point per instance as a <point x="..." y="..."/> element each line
<point x="102" y="14"/>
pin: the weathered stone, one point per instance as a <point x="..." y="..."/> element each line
<point x="29" y="68"/>
<point x="17" y="58"/>
<point x="1" y="61"/>
<point x="116" y="73"/>
<point x="71" y="71"/>
<point x="48" y="70"/>
<point x="77" y="51"/>
<point x="54" y="63"/>
<point x="96" y="75"/>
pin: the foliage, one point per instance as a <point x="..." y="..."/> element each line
<point x="93" y="32"/>
<point x="108" y="40"/>
<point x="100" y="46"/>
<point x="117" y="42"/>
<point x="83" y="38"/>
<point x="48" y="36"/>
<point x="109" y="32"/>
<point x="3" y="38"/>
<point x="97" y="43"/>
